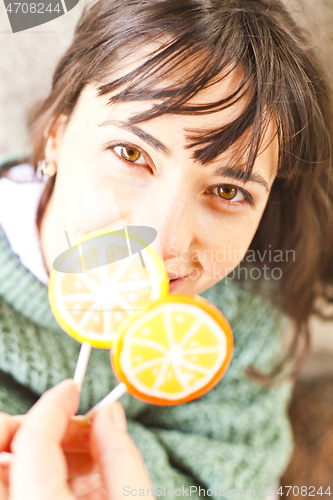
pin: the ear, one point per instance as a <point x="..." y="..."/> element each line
<point x="54" y="139"/>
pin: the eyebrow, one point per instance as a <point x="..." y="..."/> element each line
<point x="240" y="175"/>
<point x="149" y="139"/>
<point x="160" y="147"/>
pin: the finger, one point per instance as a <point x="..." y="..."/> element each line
<point x="95" y="495"/>
<point x="4" y="493"/>
<point x="39" y="469"/>
<point x="86" y="486"/>
<point x="8" y="428"/>
<point x="77" y="437"/>
<point x="79" y="464"/>
<point x="4" y="482"/>
<point x="19" y="418"/>
<point x="119" y="459"/>
<point x="55" y="407"/>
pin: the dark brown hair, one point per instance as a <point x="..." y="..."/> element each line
<point x="281" y="80"/>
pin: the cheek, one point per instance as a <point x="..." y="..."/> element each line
<point x="227" y="245"/>
<point x="107" y="204"/>
<point x="86" y="196"/>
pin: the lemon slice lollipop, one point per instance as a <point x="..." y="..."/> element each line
<point x="174" y="352"/>
<point x="101" y="284"/>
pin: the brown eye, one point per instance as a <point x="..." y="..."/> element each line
<point x="129" y="153"/>
<point x="227" y="191"/>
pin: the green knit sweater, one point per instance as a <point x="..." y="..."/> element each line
<point x="236" y="436"/>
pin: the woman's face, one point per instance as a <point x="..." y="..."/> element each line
<point x="205" y="215"/>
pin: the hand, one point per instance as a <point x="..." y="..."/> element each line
<point x="39" y="469"/>
<point x="83" y="475"/>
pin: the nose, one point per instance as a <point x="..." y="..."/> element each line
<point x="170" y="212"/>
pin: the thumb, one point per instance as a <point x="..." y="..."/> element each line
<point x="120" y="461"/>
<point x="39" y="469"/>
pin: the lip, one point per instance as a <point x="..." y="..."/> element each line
<point x="172" y="276"/>
<point x="173" y="285"/>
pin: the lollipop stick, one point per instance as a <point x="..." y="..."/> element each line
<point x="82" y="364"/>
<point x="113" y="396"/>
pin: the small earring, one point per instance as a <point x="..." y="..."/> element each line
<point x="47" y="167"/>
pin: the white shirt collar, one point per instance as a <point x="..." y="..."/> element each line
<point x="20" y="192"/>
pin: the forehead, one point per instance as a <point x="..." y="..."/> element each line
<point x="189" y="125"/>
<point x="220" y="88"/>
<point x="173" y="75"/>
<point x="94" y="116"/>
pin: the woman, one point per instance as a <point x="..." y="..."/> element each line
<point x="210" y="122"/>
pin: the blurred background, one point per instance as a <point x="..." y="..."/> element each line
<point x="27" y="60"/>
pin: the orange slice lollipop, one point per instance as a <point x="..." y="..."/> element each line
<point x="92" y="305"/>
<point x="174" y="352"/>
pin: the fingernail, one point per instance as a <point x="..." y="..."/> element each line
<point x="84" y="434"/>
<point x="117" y="414"/>
<point x="81" y="421"/>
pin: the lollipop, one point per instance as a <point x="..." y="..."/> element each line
<point x="177" y="350"/>
<point x="97" y="284"/>
<point x="174" y="352"/>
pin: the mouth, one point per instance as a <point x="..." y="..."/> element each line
<point x="174" y="277"/>
<point x="175" y="282"/>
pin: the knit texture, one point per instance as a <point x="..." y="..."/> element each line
<point x="236" y="436"/>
